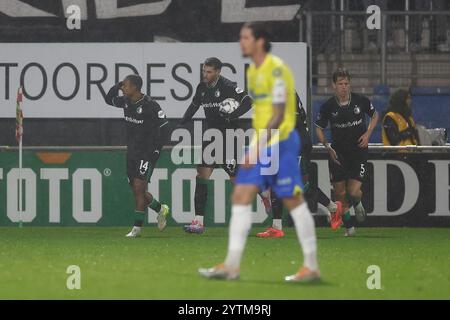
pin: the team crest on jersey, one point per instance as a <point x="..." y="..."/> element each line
<point x="334" y="114"/>
<point x="276" y="72"/>
<point x="357" y="110"/>
<point x="139" y="110"/>
<point x="217" y="93"/>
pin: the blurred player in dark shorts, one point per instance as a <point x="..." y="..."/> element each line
<point x="346" y="113"/>
<point x="211" y="94"/>
<point x="146" y="128"/>
<point x="334" y="208"/>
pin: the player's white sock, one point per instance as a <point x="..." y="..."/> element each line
<point x="304" y="225"/>
<point x="240" y="224"/>
<point x="277" y="224"/>
<point x="199" y="219"/>
<point x="332" y="207"/>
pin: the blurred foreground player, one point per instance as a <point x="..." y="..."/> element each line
<point x="348" y="153"/>
<point x="212" y="94"/>
<point x="271" y="85"/>
<point x="334" y="209"/>
<point x="146" y="126"/>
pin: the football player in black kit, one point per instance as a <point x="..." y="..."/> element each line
<point x="346" y="113"/>
<point x="210" y="94"/>
<point x="146" y="128"/>
<point x="334" y="208"/>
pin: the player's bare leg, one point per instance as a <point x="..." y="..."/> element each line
<point x="240" y="224"/>
<point x="340" y="192"/>
<point x="143" y="199"/>
<point x="354" y="195"/>
<point x="265" y="199"/>
<point x="138" y="187"/>
<point x="306" y="233"/>
<point x="200" y="198"/>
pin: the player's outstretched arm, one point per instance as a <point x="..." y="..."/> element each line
<point x="191" y="110"/>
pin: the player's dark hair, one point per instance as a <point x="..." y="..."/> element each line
<point x="398" y="104"/>
<point x="341" y="73"/>
<point x="135" y="80"/>
<point x="259" y="31"/>
<point x="213" y="62"/>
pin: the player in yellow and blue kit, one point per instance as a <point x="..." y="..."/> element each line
<point x="271" y="161"/>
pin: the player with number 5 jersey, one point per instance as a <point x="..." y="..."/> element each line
<point x="346" y="112"/>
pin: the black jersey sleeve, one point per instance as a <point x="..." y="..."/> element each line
<point x="236" y="93"/>
<point x="112" y="97"/>
<point x="241" y="96"/>
<point x="244" y="107"/>
<point x="193" y="107"/>
<point x="323" y="117"/>
<point x="159" y="120"/>
<point x="367" y="107"/>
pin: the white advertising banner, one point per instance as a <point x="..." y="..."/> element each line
<point x="69" y="80"/>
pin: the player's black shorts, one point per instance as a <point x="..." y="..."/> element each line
<point x="353" y="166"/>
<point x="140" y="166"/>
<point x="227" y="164"/>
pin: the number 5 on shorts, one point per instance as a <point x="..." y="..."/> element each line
<point x="363" y="170"/>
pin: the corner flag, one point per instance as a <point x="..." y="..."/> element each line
<point x="19" y="116"/>
<point x="19" y="133"/>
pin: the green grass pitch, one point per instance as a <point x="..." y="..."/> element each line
<point x="414" y="263"/>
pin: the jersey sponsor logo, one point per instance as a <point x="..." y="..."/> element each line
<point x="347" y="124"/>
<point x="211" y="105"/>
<point x="357" y="110"/>
<point x="139" y="110"/>
<point x="133" y="120"/>
<point x="285" y="181"/>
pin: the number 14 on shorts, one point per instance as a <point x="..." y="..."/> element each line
<point x="143" y="167"/>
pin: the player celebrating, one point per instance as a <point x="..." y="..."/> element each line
<point x="211" y="94"/>
<point x="349" y="151"/>
<point x="146" y="126"/>
<point x="334" y="209"/>
<point x="271" y="85"/>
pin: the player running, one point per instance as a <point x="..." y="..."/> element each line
<point x="211" y="93"/>
<point x="271" y="85"/>
<point x="146" y="126"/>
<point x="334" y="209"/>
<point x="348" y="152"/>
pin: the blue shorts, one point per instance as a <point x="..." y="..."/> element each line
<point x="286" y="180"/>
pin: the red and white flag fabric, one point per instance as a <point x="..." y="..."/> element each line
<point x="19" y="115"/>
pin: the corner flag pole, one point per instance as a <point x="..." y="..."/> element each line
<point x="19" y="133"/>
